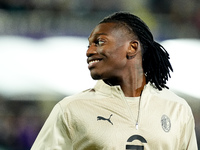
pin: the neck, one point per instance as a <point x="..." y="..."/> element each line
<point x="131" y="87"/>
<point x="131" y="79"/>
<point x="134" y="88"/>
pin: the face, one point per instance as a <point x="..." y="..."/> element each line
<point x="107" y="51"/>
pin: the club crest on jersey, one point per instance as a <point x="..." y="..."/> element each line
<point x="166" y="123"/>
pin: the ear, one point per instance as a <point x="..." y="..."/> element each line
<point x="133" y="49"/>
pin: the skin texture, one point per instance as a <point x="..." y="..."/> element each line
<point x="118" y="59"/>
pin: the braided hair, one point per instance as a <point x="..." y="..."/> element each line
<point x="155" y="59"/>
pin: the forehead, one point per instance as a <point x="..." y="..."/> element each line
<point x="108" y="29"/>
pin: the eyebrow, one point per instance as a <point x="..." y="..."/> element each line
<point x="98" y="34"/>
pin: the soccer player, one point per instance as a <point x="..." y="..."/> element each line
<point x="130" y="107"/>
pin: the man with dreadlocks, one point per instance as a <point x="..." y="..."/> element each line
<point x="130" y="107"/>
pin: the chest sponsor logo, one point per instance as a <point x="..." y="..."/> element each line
<point x="105" y="119"/>
<point x="136" y="147"/>
<point x="166" y="123"/>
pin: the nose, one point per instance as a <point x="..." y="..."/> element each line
<point x="91" y="50"/>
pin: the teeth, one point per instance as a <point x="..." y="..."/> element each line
<point x="93" y="61"/>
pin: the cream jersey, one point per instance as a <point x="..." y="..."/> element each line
<point x="102" y="118"/>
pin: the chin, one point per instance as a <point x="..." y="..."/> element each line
<point x="96" y="76"/>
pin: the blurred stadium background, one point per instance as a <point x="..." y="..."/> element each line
<point x="42" y="55"/>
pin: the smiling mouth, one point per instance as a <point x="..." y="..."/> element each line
<point x="92" y="63"/>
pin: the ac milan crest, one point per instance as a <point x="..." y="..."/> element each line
<point x="166" y="123"/>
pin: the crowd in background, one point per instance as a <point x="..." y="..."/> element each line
<point x="167" y="18"/>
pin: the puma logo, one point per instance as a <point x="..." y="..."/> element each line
<point x="102" y="118"/>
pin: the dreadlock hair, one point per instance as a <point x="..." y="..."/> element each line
<point x="155" y="59"/>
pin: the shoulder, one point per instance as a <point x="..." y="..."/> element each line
<point x="100" y="90"/>
<point x="165" y="94"/>
<point x="168" y="97"/>
<point x="76" y="98"/>
<point x="167" y="101"/>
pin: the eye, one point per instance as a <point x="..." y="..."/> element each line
<point x="99" y="42"/>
